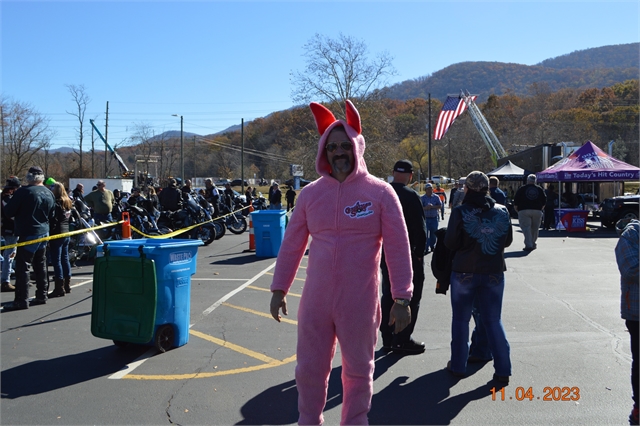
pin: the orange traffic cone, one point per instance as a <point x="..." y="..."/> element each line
<point x="126" y="226"/>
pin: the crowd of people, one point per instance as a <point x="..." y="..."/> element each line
<point x="43" y="207"/>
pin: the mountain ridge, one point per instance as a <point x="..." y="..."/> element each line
<point x="578" y="70"/>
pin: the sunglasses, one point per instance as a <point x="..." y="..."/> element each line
<point x="346" y="146"/>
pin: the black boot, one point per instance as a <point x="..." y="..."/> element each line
<point x="58" y="291"/>
<point x="67" y="284"/>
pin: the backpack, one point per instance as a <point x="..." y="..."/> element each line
<point x="441" y="262"/>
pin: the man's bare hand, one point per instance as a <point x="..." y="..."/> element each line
<point x="278" y="300"/>
<point x="400" y="316"/>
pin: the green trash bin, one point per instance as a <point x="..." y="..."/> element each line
<point x="124" y="299"/>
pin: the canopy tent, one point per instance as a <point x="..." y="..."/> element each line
<point x="589" y="164"/>
<point x="509" y="171"/>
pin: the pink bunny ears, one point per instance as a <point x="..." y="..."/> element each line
<point x="324" y="118"/>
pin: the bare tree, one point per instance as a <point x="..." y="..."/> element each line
<point x="81" y="99"/>
<point x="339" y="69"/>
<point x="26" y="134"/>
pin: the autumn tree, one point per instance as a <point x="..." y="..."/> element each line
<point x="340" y="69"/>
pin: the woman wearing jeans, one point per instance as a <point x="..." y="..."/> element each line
<point x="478" y="231"/>
<point x="59" y="247"/>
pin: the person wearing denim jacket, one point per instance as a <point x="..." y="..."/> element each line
<point x="478" y="232"/>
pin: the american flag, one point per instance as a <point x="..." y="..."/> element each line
<point x="452" y="108"/>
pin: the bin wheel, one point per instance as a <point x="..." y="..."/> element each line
<point x="164" y="338"/>
<point x="120" y="343"/>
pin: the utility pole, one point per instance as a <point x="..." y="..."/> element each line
<point x="93" y="151"/>
<point x="106" y="138"/>
<point x="195" y="158"/>
<point x="181" y="151"/>
<point x="242" y="154"/>
<point x="429" y="177"/>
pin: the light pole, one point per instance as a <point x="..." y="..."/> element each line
<point x="181" y="148"/>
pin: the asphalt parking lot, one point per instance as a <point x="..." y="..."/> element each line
<point x="561" y="313"/>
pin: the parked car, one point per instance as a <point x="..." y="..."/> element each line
<point x="303" y="182"/>
<point x="440" y="179"/>
<point x="238" y="182"/>
<point x="616" y="208"/>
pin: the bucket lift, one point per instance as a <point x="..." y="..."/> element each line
<point x="123" y="167"/>
<point x="490" y="139"/>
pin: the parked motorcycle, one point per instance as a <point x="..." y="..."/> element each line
<point x="143" y="221"/>
<point x="191" y="214"/>
<point x="218" y="225"/>
<point x="235" y="222"/>
<point x="259" y="202"/>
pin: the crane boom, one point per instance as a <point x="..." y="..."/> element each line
<point x="490" y="139"/>
<point x="115" y="155"/>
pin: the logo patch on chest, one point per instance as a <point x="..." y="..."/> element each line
<point x="359" y="209"/>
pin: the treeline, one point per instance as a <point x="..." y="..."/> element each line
<point x="397" y="129"/>
<point x="393" y="129"/>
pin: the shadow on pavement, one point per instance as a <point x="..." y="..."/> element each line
<point x="423" y="401"/>
<point x="44" y="376"/>
<point x="238" y="260"/>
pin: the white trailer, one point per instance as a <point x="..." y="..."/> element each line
<point x="124" y="185"/>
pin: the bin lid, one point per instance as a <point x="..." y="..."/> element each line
<point x="150" y="244"/>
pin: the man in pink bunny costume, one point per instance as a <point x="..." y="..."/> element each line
<point x="348" y="213"/>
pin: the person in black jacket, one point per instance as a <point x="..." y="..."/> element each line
<point x="275" y="197"/>
<point x="402" y="343"/>
<point x="478" y="232"/>
<point x="59" y="247"/>
<point x="32" y="208"/>
<point x="170" y="197"/>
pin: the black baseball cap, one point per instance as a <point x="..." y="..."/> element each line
<point x="403" y="166"/>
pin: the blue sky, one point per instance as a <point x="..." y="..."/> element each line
<point x="216" y="62"/>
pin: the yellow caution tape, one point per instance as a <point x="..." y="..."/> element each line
<point x="82" y="231"/>
<point x="66" y="234"/>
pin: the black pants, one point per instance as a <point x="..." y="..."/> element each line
<point x="549" y="218"/>
<point x="386" y="302"/>
<point x="37" y="260"/>
<point x="632" y="326"/>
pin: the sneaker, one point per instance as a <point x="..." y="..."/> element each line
<point x="15" y="306"/>
<point x="36" y="302"/>
<point x="455" y="373"/>
<point x="502" y="379"/>
<point x="7" y="287"/>
<point x="409" y="348"/>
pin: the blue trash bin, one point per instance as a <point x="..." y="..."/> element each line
<point x="175" y="263"/>
<point x="268" y="230"/>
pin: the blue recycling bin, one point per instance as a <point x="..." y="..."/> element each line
<point x="268" y="229"/>
<point x="174" y="261"/>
